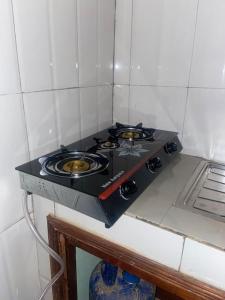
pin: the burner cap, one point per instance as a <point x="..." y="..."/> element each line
<point x="130" y="134"/>
<point x="79" y="165"/>
<point x="73" y="164"/>
<point x="109" y="145"/>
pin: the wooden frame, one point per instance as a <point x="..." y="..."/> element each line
<point x="171" y="284"/>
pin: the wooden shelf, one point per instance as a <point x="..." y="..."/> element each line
<point x="171" y="284"/>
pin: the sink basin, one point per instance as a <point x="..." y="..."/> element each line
<point x="204" y="193"/>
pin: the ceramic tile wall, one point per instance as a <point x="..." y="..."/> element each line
<point x="169" y="69"/>
<point x="56" y="76"/>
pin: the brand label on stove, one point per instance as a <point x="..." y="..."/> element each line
<point x="105" y="185"/>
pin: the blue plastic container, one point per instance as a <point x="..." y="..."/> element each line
<point x="108" y="282"/>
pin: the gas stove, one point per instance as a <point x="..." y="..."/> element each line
<point x="103" y="174"/>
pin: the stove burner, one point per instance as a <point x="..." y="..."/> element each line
<point x="76" y="166"/>
<point x="109" y="144"/>
<point x="73" y="164"/>
<point x="132" y="133"/>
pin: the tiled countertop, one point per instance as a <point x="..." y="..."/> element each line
<point x="153" y="227"/>
<point x="155" y="205"/>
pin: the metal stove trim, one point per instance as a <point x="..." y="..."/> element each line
<point x="73" y="199"/>
<point x="189" y="195"/>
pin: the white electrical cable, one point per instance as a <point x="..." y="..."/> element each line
<point x="43" y="243"/>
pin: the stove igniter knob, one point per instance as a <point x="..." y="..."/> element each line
<point x="171" y="147"/>
<point x="127" y="189"/>
<point x="154" y="164"/>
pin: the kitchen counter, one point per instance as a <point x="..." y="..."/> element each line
<point x="156" y="205"/>
<point x="190" y="243"/>
<point x="203" y="252"/>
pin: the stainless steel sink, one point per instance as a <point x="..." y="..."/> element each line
<point x="205" y="192"/>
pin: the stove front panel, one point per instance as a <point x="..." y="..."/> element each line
<point x="73" y="199"/>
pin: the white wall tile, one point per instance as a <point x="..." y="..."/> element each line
<point x="42" y="208"/>
<point x="208" y="66"/>
<point x="95" y="41"/>
<point x="87" y="41"/>
<point x="32" y="32"/>
<point x="41" y="122"/>
<point x="9" y="75"/>
<point x="44" y="283"/>
<point x="5" y="292"/>
<point x="63" y="27"/>
<point x="47" y="42"/>
<point x="18" y="248"/>
<point x="162" y="41"/>
<point x="152" y="247"/>
<point x="13" y="152"/>
<point x="204" y="263"/>
<point x="89" y="111"/>
<point x="158" y="107"/>
<point x="106" y="16"/>
<point x="68" y="115"/>
<point x="123" y="41"/>
<point x="205" y="123"/>
<point x="121" y="104"/>
<point x="104" y="107"/>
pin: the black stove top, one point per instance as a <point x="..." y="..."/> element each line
<point x="112" y="167"/>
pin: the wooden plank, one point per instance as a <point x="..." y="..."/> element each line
<point x="164" y="295"/>
<point x="55" y="243"/>
<point x="71" y="271"/>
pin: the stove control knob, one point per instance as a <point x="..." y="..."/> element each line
<point x="154" y="164"/>
<point x="171" y="147"/>
<point x="127" y="189"/>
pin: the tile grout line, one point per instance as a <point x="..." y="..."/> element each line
<point x="66" y="88"/>
<point x="50" y="42"/>
<point x="20" y="83"/>
<point x="172" y="86"/>
<point x="16" y="46"/>
<point x="78" y="70"/>
<point x="189" y="77"/>
<point x="76" y="41"/>
<point x="20" y="93"/>
<point x="185" y="114"/>
<point x="56" y="119"/>
<point x="53" y="79"/>
<point x="98" y="73"/>
<point x="44" y="277"/>
<point x="27" y="139"/>
<point x="114" y="59"/>
<point x="131" y="44"/>
<point x="193" y="45"/>
<point x="182" y="254"/>
<point x="98" y="54"/>
<point x="12" y="224"/>
<point x="110" y="85"/>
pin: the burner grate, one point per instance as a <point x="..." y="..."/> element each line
<point x="132" y="133"/>
<point x="73" y="164"/>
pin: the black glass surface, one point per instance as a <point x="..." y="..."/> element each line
<point x="122" y="159"/>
